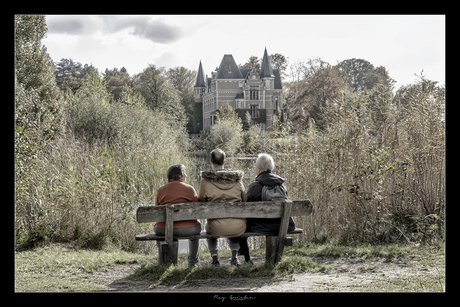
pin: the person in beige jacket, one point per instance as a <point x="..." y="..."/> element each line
<point x="223" y="185"/>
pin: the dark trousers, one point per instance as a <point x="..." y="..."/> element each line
<point x="244" y="248"/>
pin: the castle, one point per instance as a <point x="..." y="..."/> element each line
<point x="257" y="91"/>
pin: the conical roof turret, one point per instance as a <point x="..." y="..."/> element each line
<point x="200" y="77"/>
<point x="266" y="69"/>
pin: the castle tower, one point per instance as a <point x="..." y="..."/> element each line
<point x="266" y="72"/>
<point x="199" y="91"/>
<point x="266" y="69"/>
<point x="200" y="85"/>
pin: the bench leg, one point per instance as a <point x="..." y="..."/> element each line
<point x="271" y="244"/>
<point x="167" y="255"/>
<point x="272" y="252"/>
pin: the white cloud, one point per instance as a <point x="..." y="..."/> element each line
<point x="148" y="27"/>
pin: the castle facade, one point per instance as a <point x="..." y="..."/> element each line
<point x="257" y="91"/>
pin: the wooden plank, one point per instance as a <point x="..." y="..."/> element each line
<point x="166" y="254"/>
<point x="205" y="235"/>
<point x="169" y="213"/>
<point x="160" y="253"/>
<point x="289" y="241"/>
<point x="271" y="242"/>
<point x="211" y="210"/>
<point x="283" y="229"/>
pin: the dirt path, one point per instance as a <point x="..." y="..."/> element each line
<point x="344" y="275"/>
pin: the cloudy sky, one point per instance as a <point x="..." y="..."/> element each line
<point x="404" y="44"/>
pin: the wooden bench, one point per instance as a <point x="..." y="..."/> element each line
<point x="275" y="242"/>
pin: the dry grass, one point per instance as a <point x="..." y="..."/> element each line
<point x="371" y="179"/>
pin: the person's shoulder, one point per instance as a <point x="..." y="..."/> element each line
<point x="164" y="186"/>
<point x="255" y="183"/>
<point x="187" y="186"/>
<point x="254" y="187"/>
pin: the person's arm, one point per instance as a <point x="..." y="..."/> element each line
<point x="201" y="192"/>
<point x="193" y="195"/>
<point x="243" y="193"/>
<point x="157" y="198"/>
<point x="254" y="192"/>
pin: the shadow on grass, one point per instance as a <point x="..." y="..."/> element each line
<point x="181" y="274"/>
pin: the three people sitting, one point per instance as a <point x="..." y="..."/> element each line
<point x="221" y="185"/>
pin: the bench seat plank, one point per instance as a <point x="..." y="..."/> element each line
<point x="205" y="235"/>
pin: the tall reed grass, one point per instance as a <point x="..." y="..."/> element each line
<point x="87" y="183"/>
<point x="371" y="179"/>
<point x="372" y="175"/>
<point x="375" y="173"/>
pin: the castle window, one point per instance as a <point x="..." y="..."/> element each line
<point x="254" y="108"/>
<point x="254" y="93"/>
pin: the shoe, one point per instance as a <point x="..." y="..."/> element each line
<point x="193" y="262"/>
<point x="243" y="263"/>
<point x="215" y="263"/>
<point x="234" y="262"/>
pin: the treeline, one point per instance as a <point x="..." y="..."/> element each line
<point x="90" y="146"/>
<point x="168" y="90"/>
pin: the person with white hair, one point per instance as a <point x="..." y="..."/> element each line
<point x="265" y="177"/>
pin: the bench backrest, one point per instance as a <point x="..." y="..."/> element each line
<point x="212" y="210"/>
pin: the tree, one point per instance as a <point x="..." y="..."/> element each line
<point x="374" y="84"/>
<point x="227" y="113"/>
<point x="253" y="62"/>
<point x="384" y="77"/>
<point x="159" y="95"/>
<point x="38" y="110"/>
<point x="183" y="81"/>
<point x="29" y="56"/>
<point x="69" y="75"/>
<point x="181" y="78"/>
<point x="321" y="84"/>
<point x="280" y="62"/>
<point x="361" y="74"/>
<point x="227" y="133"/>
<point x="117" y="81"/>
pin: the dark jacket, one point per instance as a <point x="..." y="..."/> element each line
<point x="255" y="194"/>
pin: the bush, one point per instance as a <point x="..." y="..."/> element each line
<point x="227" y="133"/>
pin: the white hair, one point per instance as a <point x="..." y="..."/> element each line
<point x="265" y="162"/>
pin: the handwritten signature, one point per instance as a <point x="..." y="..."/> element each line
<point x="237" y="298"/>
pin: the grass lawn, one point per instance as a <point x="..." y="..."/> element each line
<point x="59" y="267"/>
<point x="62" y="268"/>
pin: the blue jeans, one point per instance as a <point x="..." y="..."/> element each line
<point x="193" y="245"/>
